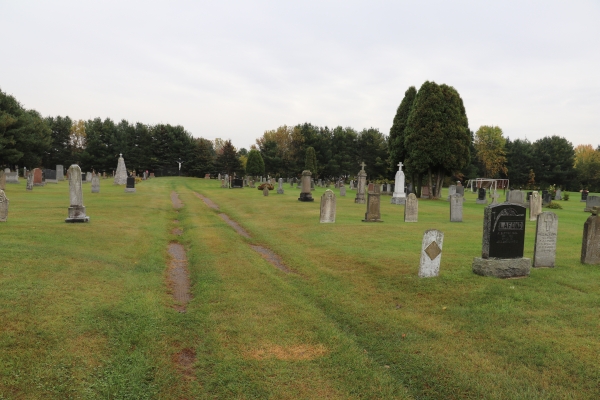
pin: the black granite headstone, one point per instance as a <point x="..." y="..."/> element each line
<point x="546" y="198"/>
<point x="130" y="182"/>
<point x="50" y="174"/>
<point x="481" y="194"/>
<point x="584" y="195"/>
<point x="529" y="195"/>
<point x="504" y="231"/>
<point x="237" y="183"/>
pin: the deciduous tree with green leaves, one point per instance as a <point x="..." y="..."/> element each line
<point x="255" y="166"/>
<point x="490" y="145"/>
<point x="310" y="161"/>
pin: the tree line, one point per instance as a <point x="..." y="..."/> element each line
<point x="430" y="135"/>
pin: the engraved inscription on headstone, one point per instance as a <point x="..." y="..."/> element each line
<point x="504" y="231"/>
<point x="411" y="208"/>
<point x="431" y="253"/>
<point x="546" y="230"/>
<point x="328" y="207"/>
<point x="456" y="208"/>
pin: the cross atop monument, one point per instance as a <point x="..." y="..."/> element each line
<point x="363" y="165"/>
<point x="121" y="155"/>
<point x="400" y="165"/>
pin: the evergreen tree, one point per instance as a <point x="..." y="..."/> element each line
<point x="310" y="160"/>
<point x="554" y="157"/>
<point x="228" y="160"/>
<point x="519" y="162"/>
<point x="396" y="144"/>
<point x="372" y="149"/>
<point x="60" y="152"/>
<point x="255" y="166"/>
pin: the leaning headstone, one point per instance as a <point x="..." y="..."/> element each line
<point x="328" y="207"/>
<point x="38" y="177"/>
<point x="584" y="195"/>
<point x="95" y="183"/>
<point x="265" y="191"/>
<point x="456" y="208"/>
<point x="29" y="181"/>
<point x="546" y="230"/>
<point x="451" y="191"/>
<point x="373" y="204"/>
<point x="121" y="174"/>
<point x="411" y="208"/>
<point x="77" y="209"/>
<point x="362" y="182"/>
<point x="591" y="202"/>
<point x="535" y="206"/>
<point x="503" y="242"/>
<point x="590" y="246"/>
<point x="3" y="206"/>
<point x="558" y="195"/>
<point x="481" y="198"/>
<point x="305" y="194"/>
<point x="130" y="185"/>
<point x="399" y="197"/>
<point x="280" y="186"/>
<point x="343" y="191"/>
<point x="431" y="253"/>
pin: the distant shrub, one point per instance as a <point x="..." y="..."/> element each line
<point x="263" y="185"/>
<point x="555" y="206"/>
<point x="565" y="196"/>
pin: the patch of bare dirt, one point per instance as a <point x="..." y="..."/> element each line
<point x="176" y="201"/>
<point x="184" y="360"/>
<point x="288" y="353"/>
<point x="207" y="201"/>
<point x="178" y="276"/>
<point x="177" y="232"/>
<point x="271" y="257"/>
<point x="234" y="225"/>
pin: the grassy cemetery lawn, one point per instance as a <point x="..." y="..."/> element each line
<point x="86" y="310"/>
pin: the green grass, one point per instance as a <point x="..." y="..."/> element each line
<point x="85" y="311"/>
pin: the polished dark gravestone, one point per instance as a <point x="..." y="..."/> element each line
<point x="503" y="242"/>
<point x="237" y="183"/>
<point x="50" y="176"/>
<point x="481" y="199"/>
<point x="130" y="185"/>
<point x="584" y="195"/>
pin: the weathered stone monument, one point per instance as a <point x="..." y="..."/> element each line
<point x="558" y="195"/>
<point x="431" y="253"/>
<point x="590" y="246"/>
<point x="3" y="206"/>
<point x="95" y="183"/>
<point x="38" y="177"/>
<point x="517" y="197"/>
<point x="76" y="210"/>
<point x="88" y="176"/>
<point x="280" y="186"/>
<point x="456" y="208"/>
<point x="399" y="197"/>
<point x="546" y="199"/>
<point x="373" y="204"/>
<point x="535" y="206"/>
<point x="481" y="198"/>
<point x="265" y="191"/>
<point x="328" y="207"/>
<point x="121" y="174"/>
<point x="503" y="242"/>
<point x="60" y="172"/>
<point x="411" y="208"/>
<point x="451" y="191"/>
<point x="29" y="181"/>
<point x="305" y="194"/>
<point x="11" y="177"/>
<point x="361" y="186"/>
<point x="342" y="190"/>
<point x="546" y="230"/>
<point x="130" y="184"/>
<point x="591" y="202"/>
<point x="2" y="180"/>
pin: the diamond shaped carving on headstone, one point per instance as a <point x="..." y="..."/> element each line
<point x="433" y="250"/>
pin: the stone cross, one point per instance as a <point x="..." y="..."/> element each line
<point x="431" y="253"/>
<point x="363" y="165"/>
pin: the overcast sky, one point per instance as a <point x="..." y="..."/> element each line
<point x="235" y="69"/>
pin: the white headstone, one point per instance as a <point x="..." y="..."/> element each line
<point x="535" y="206"/>
<point x="456" y="208"/>
<point x="328" y="207"/>
<point x="431" y="253"/>
<point x="76" y="210"/>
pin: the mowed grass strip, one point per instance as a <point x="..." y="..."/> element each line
<point x="458" y="335"/>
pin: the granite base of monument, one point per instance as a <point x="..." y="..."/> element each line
<point x="129" y="190"/>
<point x="398" y="200"/>
<point x="484" y="201"/>
<point x="306" y="197"/>
<point x="77" y="214"/>
<point x="502" y="267"/>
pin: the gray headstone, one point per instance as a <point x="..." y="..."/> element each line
<point x="121" y="174"/>
<point x="265" y="191"/>
<point x="558" y="195"/>
<point x="451" y="191"/>
<point x="29" y="181"/>
<point x="516" y="197"/>
<point x="373" y="204"/>
<point x="590" y="247"/>
<point x="546" y="231"/>
<point x="343" y="191"/>
<point x="431" y="253"/>
<point x="77" y="209"/>
<point x="456" y="208"/>
<point x="411" y="208"/>
<point x="280" y="186"/>
<point x="305" y="194"/>
<point x="11" y="177"/>
<point x="362" y="182"/>
<point x="591" y="202"/>
<point x="2" y="180"/>
<point x="95" y="183"/>
<point x="328" y="207"/>
<point x="3" y="206"/>
<point x="535" y="206"/>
